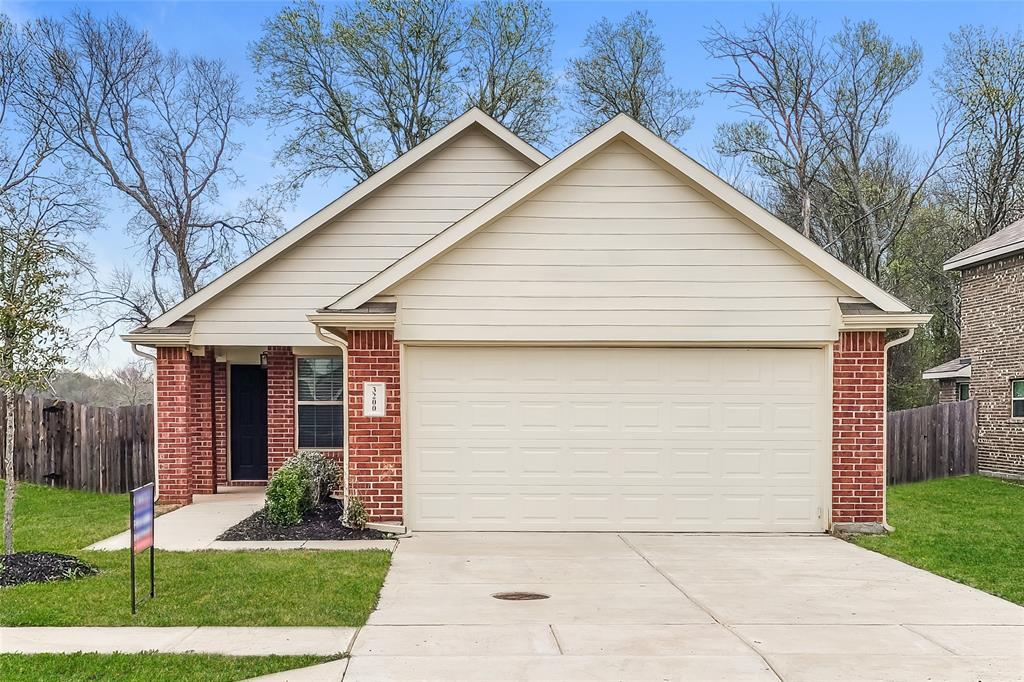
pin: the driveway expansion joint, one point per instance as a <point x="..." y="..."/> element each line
<point x="704" y="608"/>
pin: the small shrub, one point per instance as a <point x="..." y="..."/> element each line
<point x="322" y="472"/>
<point x="287" y="496"/>
<point x="355" y="514"/>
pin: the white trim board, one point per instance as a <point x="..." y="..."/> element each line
<point x="624" y="128"/>
<point x="473" y="117"/>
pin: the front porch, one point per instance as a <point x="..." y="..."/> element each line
<point x="228" y="417"/>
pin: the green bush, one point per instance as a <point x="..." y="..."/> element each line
<point x="322" y="473"/>
<point x="287" y="496"/>
<point x="356" y="515"/>
<point x="300" y="484"/>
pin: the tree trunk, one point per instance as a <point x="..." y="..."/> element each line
<point x="9" y="398"/>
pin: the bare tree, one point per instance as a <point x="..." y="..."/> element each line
<point x="507" y="66"/>
<point x="25" y="136"/>
<point x="623" y="72"/>
<point x="982" y="78"/>
<point x="778" y="74"/>
<point x="361" y="87"/>
<point x="873" y="183"/>
<point x="156" y="127"/>
<point x="40" y="223"/>
<point x="133" y="382"/>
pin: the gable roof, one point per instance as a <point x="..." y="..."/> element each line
<point x="1008" y="241"/>
<point x="623" y="127"/>
<point x="473" y="117"/>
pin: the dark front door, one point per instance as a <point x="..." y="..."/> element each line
<point x="248" y="423"/>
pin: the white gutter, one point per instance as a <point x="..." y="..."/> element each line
<point x="338" y="342"/>
<point x="885" y="421"/>
<point x="156" y="417"/>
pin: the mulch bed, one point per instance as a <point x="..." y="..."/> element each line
<point x="322" y="523"/>
<point x="40" y="567"/>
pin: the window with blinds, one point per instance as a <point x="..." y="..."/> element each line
<point x="321" y="402"/>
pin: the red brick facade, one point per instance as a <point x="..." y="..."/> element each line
<point x="220" y="420"/>
<point x="192" y="424"/>
<point x="375" y="443"/>
<point x="173" y="396"/>
<point x="201" y="425"/>
<point x="858" y="428"/>
<point x="280" y="406"/>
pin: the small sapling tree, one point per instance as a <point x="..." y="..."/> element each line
<point x="38" y="260"/>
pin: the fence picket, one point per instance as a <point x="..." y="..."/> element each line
<point x="932" y="442"/>
<point x="84" y="447"/>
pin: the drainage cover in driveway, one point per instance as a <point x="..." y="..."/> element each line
<point x="519" y="596"/>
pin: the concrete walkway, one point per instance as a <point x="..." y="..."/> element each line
<point x="669" y="607"/>
<point x="196" y="526"/>
<point x="231" y="641"/>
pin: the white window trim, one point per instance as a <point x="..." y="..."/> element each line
<point x="343" y="403"/>
<point x="1014" y="401"/>
<point x="959" y="386"/>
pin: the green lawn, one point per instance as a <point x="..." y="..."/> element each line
<point x="193" y="588"/>
<point x="968" y="529"/>
<point x="150" y="667"/>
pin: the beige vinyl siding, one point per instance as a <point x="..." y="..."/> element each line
<point x="269" y="306"/>
<point x="617" y="249"/>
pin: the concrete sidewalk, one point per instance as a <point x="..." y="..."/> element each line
<point x="230" y="641"/>
<point x="196" y="526"/>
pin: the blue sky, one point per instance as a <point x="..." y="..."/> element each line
<point x="224" y="29"/>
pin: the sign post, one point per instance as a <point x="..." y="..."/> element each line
<point x="142" y="533"/>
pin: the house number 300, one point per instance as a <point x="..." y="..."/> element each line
<point x="374" y="400"/>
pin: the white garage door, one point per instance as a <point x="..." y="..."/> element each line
<point x="615" y="439"/>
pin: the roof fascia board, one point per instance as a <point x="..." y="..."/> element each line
<point x="982" y="258"/>
<point x="158" y="340"/>
<point x="781" y="233"/>
<point x="353" y="320"/>
<point x="472" y="117"/>
<point x="963" y="373"/>
<point x="883" y="321"/>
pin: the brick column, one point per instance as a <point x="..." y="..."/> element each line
<point x="220" y="420"/>
<point x="201" y="425"/>
<point x="375" y="443"/>
<point x="280" y="406"/>
<point x="858" y="423"/>
<point x="173" y="393"/>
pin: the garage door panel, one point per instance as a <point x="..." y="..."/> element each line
<point x="615" y="439"/>
<point x="626" y="508"/>
<point x="505" y="460"/>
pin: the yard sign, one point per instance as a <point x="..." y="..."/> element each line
<point x="142" y="532"/>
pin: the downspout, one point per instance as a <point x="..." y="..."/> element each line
<point x="338" y="342"/>
<point x="156" y="413"/>
<point x="885" y="420"/>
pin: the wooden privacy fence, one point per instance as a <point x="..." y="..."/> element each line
<point x="932" y="442"/>
<point x="103" y="449"/>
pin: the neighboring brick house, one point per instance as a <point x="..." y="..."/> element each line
<point x="991" y="367"/>
<point x="487" y="339"/>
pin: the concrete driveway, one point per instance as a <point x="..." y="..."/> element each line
<point x="670" y="607"/>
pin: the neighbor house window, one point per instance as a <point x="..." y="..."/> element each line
<point x="963" y="391"/>
<point x="1017" y="397"/>
<point x="321" y="402"/>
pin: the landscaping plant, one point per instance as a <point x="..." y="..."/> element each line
<point x="322" y="472"/>
<point x="301" y="484"/>
<point x="287" y="496"/>
<point x="356" y="515"/>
